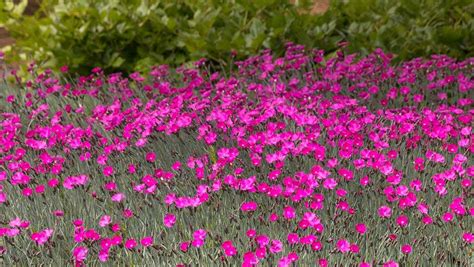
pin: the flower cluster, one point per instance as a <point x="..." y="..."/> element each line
<point x="299" y="160"/>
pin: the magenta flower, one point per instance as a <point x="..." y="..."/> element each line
<point x="108" y="171"/>
<point x="251" y="233"/>
<point x="354" y="248"/>
<point x="323" y="262"/>
<point x="169" y="220"/>
<point x="385" y="211"/>
<point x="316" y="245"/>
<point x="406" y="249"/>
<point x="200" y="234"/>
<point x="118" y="197"/>
<point x="132" y="168"/>
<point x="184" y="246"/>
<point x="105" y="220"/>
<point x="249" y="206"/>
<point x="276" y="246"/>
<point x="468" y="237"/>
<point x="292" y="238"/>
<point x="130" y="243"/>
<point x="147" y="241"/>
<point x="262" y="240"/>
<point x="127" y="213"/>
<point x="289" y="213"/>
<point x="150" y="157"/>
<point x="343" y="245"/>
<point x="229" y="249"/>
<point x="361" y="228"/>
<point x="250" y="259"/>
<point x="103" y="255"/>
<point x="391" y="264"/>
<point x="80" y="253"/>
<point x="42" y="237"/>
<point x="402" y="221"/>
<point x="3" y="197"/>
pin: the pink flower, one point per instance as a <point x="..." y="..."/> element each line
<point x="116" y="240"/>
<point x="118" y="197"/>
<point x="292" y="238"/>
<point x="64" y="69"/>
<point x="108" y="171"/>
<point x="169" y="220"/>
<point x="250" y="259"/>
<point x="361" y="228"/>
<point x="273" y="217"/>
<point x="316" y="246"/>
<point x="427" y="220"/>
<point x="261" y="252"/>
<point x="390" y="264"/>
<point x="115" y="227"/>
<point x="364" y="181"/>
<point x="184" y="246"/>
<point x="111" y="186"/>
<point x="80" y="253"/>
<point x="354" y="248"/>
<point x="15" y="222"/>
<point x="131" y="168"/>
<point x="15" y="231"/>
<point x="200" y="234"/>
<point x="229" y="249"/>
<point x="262" y="240"/>
<point x="251" y="233"/>
<point x="127" y="213"/>
<point x="402" y="221"/>
<point x="147" y="241"/>
<point x="293" y="256"/>
<point x="58" y="213"/>
<point x="197" y="243"/>
<point x="323" y="262"/>
<point x="468" y="237"/>
<point x="457" y="206"/>
<point x="392" y="237"/>
<point x="276" y="246"/>
<point x="289" y="212"/>
<point x="42" y="237"/>
<point x="466" y="183"/>
<point x="385" y="211"/>
<point x="105" y="220"/>
<point x="249" y="206"/>
<point x="330" y="183"/>
<point x="343" y="245"/>
<point x="53" y="182"/>
<point x="27" y="192"/>
<point x="150" y="157"/>
<point x="406" y="249"/>
<point x="103" y="255"/>
<point x="176" y="166"/>
<point x="447" y="217"/>
<point x="423" y="208"/>
<point x="130" y="243"/>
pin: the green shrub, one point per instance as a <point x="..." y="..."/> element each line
<point x="131" y="35"/>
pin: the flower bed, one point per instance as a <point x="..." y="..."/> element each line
<point x="285" y="161"/>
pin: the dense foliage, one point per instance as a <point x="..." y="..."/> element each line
<point x="288" y="161"/>
<point x="135" y="34"/>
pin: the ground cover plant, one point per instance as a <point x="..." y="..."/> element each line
<point x="134" y="34"/>
<point x="295" y="160"/>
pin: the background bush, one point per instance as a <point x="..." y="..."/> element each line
<point x="131" y="35"/>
